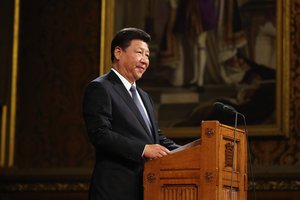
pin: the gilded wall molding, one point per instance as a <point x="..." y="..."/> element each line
<point x="45" y="187"/>
<point x="82" y="186"/>
<point x="286" y="152"/>
<point x="275" y="185"/>
<point x="295" y="68"/>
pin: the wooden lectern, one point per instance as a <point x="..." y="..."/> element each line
<point x="211" y="168"/>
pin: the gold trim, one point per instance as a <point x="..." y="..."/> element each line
<point x="107" y="30"/>
<point x="14" y="79"/>
<point x="70" y="186"/>
<point x="275" y="185"/>
<point x="45" y="187"/>
<point x="279" y="45"/>
<point x="286" y="62"/>
<point x="102" y="35"/>
<point x="3" y="136"/>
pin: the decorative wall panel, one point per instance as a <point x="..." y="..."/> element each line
<point x="285" y="151"/>
<point x="58" y="56"/>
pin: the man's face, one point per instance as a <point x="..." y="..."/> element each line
<point x="133" y="61"/>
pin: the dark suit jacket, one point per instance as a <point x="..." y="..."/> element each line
<point x="119" y="135"/>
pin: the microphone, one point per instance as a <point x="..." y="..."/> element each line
<point x="225" y="108"/>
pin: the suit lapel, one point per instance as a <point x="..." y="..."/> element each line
<point x="124" y="94"/>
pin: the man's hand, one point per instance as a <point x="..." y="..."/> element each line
<point x="153" y="151"/>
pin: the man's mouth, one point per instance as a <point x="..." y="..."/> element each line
<point x="141" y="68"/>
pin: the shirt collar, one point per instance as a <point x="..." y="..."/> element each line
<point x="126" y="83"/>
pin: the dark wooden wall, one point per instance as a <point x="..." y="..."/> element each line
<point x="58" y="55"/>
<point x="59" y="45"/>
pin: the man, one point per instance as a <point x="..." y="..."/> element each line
<point x="123" y="136"/>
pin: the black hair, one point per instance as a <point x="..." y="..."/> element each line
<point x="124" y="37"/>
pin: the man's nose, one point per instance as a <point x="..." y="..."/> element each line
<point x="145" y="59"/>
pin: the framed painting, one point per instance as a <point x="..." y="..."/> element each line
<point x="234" y="52"/>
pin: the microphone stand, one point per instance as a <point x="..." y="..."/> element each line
<point x="233" y="154"/>
<point x="249" y="154"/>
<point x="230" y="109"/>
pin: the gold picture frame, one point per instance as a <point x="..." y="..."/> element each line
<point x="283" y="20"/>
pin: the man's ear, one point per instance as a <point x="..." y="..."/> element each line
<point x="117" y="53"/>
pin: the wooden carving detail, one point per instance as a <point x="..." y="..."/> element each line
<point x="209" y="176"/>
<point x="182" y="192"/>
<point x="151" y="177"/>
<point x="229" y="148"/>
<point x="209" y="132"/>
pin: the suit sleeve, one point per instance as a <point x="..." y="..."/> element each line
<point x="97" y="112"/>
<point x="166" y="142"/>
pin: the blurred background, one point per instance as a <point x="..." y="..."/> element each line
<point x="51" y="49"/>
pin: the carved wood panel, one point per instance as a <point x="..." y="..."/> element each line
<point x="179" y="192"/>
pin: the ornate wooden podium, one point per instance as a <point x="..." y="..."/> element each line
<point x="211" y="168"/>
